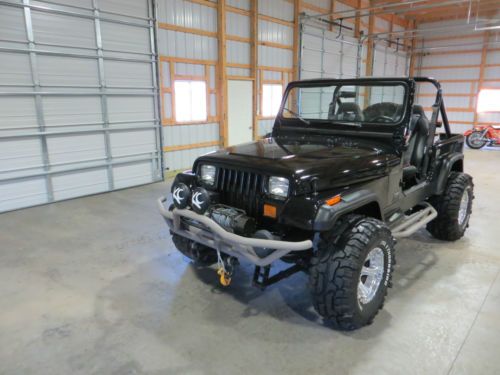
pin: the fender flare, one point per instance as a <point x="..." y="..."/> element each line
<point x="445" y="170"/>
<point x="326" y="216"/>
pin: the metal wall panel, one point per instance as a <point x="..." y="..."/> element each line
<point x="237" y="25"/>
<point x="191" y="46"/>
<point x="188" y="134"/>
<point x="277" y="8"/>
<point x="187" y="14"/>
<point x="184" y="158"/>
<point x="437" y="64"/>
<point x="78" y="99"/>
<point x="275" y="33"/>
<point x="242" y="4"/>
<point x="277" y="57"/>
<point x="237" y="52"/>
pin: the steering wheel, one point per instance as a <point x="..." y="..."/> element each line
<point x="382" y="118"/>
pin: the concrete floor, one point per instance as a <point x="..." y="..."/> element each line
<point x="94" y="286"/>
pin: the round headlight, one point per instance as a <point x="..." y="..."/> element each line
<point x="278" y="186"/>
<point x="207" y="174"/>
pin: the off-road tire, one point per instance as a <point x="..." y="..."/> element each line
<point x="446" y="225"/>
<point x="336" y="268"/>
<point x="199" y="254"/>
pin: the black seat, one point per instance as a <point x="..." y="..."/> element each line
<point x="383" y="109"/>
<point x="418" y="133"/>
<point x="347" y="112"/>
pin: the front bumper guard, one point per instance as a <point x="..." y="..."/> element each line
<point x="216" y="237"/>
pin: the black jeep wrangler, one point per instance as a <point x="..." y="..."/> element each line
<point x="351" y="164"/>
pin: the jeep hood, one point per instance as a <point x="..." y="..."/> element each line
<point x="331" y="165"/>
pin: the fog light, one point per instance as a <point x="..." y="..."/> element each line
<point x="180" y="195"/>
<point x="200" y="200"/>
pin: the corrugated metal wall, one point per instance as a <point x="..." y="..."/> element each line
<point x="186" y="55"/>
<point x="326" y="52"/>
<point x="458" y="68"/>
<point x="78" y="104"/>
<point x="188" y="48"/>
<point x="275" y="51"/>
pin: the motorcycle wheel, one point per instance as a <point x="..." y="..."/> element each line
<point x="475" y="140"/>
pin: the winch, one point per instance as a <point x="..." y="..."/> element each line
<point x="232" y="219"/>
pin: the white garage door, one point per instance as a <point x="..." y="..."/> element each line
<point x="325" y="54"/>
<point x="78" y="99"/>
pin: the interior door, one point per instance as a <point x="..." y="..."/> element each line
<point x="239" y="112"/>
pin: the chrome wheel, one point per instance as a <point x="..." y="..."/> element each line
<point x="371" y="275"/>
<point x="476" y="140"/>
<point x="463" y="211"/>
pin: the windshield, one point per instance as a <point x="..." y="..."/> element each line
<point x="349" y="104"/>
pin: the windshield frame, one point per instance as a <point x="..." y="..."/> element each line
<point x="373" y="82"/>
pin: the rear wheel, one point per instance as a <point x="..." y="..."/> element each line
<point x="351" y="272"/>
<point x="475" y="140"/>
<point x="454" y="208"/>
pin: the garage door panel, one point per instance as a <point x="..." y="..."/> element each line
<point x="324" y="54"/>
<point x="78" y="183"/>
<point x="12" y="23"/>
<point x="128" y="74"/>
<point x="67" y="71"/>
<point x="136" y="40"/>
<point x="132" y="142"/>
<point x="22" y="193"/>
<point x="78" y="3"/>
<point x="67" y="110"/>
<point x="73" y="148"/>
<point x="138" y="8"/>
<point x="17" y="112"/>
<point x="20" y="153"/>
<point x="85" y="130"/>
<point x="62" y="29"/>
<point x="130" y="108"/>
<point x="132" y="174"/>
<point x="15" y="69"/>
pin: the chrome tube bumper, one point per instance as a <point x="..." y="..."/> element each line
<point x="216" y="237"/>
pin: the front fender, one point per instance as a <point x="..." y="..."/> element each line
<point x="327" y="215"/>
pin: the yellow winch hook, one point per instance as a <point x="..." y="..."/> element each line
<point x="224" y="279"/>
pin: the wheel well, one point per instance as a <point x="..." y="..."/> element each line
<point x="458" y="166"/>
<point x="371" y="209"/>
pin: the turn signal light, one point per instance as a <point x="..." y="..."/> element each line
<point x="333" y="200"/>
<point x="270" y="210"/>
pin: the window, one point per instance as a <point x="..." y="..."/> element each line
<point x="363" y="103"/>
<point x="190" y="101"/>
<point x="488" y="101"/>
<point x="271" y="99"/>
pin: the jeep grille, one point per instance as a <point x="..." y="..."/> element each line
<point x="241" y="189"/>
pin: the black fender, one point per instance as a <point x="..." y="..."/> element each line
<point x="326" y="216"/>
<point x="448" y="165"/>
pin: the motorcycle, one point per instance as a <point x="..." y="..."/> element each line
<point x="481" y="136"/>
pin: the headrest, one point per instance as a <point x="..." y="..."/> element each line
<point x="419" y="110"/>
<point x="349" y="107"/>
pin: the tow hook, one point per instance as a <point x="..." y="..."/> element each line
<point x="225" y="268"/>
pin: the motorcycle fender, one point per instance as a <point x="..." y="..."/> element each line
<point x="468" y="132"/>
